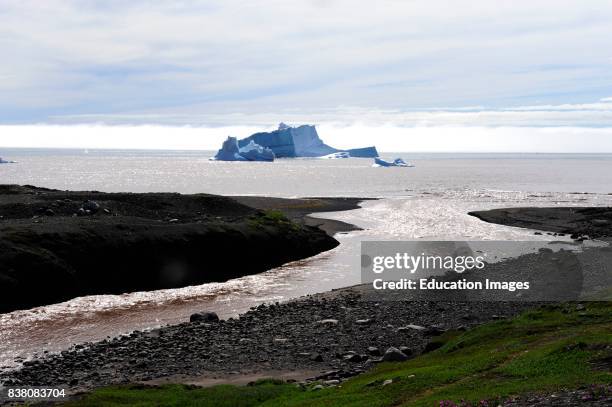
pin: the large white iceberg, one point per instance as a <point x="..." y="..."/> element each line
<point x="398" y="162"/>
<point x="301" y="141"/>
<point x="230" y="151"/>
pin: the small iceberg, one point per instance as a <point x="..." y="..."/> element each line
<point x="6" y="162"/>
<point x="335" y="156"/>
<point x="250" y="152"/>
<point x="398" y="162"/>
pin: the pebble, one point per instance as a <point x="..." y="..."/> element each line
<point x="410" y="327"/>
<point x="328" y="322"/>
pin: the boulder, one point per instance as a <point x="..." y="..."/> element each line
<point x="351" y="357"/>
<point x="371" y="362"/>
<point x="316" y="357"/>
<point x="204" y="317"/>
<point x="434" y="331"/>
<point x="91" y="206"/>
<point x="394" y="355"/>
<point x="411" y="327"/>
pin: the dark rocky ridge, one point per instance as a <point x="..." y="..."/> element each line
<point x="594" y="222"/>
<point x="56" y="245"/>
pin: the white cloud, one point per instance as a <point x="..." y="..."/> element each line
<point x="566" y="107"/>
<point x="71" y="57"/>
<point x="573" y="115"/>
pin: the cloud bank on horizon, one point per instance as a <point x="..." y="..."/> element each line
<point x="479" y="63"/>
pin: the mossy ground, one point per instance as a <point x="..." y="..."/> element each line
<point x="272" y="217"/>
<point x="554" y="347"/>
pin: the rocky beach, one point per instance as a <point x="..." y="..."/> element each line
<point x="327" y="337"/>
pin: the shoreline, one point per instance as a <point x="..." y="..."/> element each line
<point x="57" y="245"/>
<point x="333" y="333"/>
<point x="300" y="209"/>
<point x="326" y="336"/>
<point x="579" y="222"/>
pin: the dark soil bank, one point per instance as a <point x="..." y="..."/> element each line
<point x="297" y="209"/>
<point x="57" y="245"/>
<point x="593" y="222"/>
<point x="338" y="333"/>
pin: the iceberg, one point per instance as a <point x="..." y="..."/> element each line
<point x="335" y="156"/>
<point x="231" y="151"/>
<point x="398" y="162"/>
<point x="301" y="141"/>
<point x="255" y="152"/>
<point x="6" y="162"/>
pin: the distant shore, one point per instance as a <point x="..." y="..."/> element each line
<point x="576" y="222"/>
<point x="57" y="245"/>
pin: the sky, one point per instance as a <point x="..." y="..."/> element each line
<point x="474" y="74"/>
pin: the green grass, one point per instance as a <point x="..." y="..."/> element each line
<point x="182" y="395"/>
<point x="272" y="217"/>
<point x="542" y="350"/>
